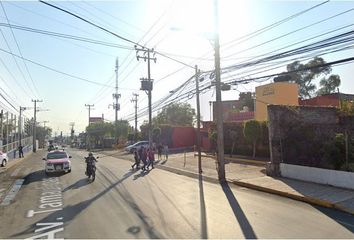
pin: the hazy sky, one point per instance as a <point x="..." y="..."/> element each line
<point x="150" y="23"/>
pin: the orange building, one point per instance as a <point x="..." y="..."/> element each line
<point x="281" y="93"/>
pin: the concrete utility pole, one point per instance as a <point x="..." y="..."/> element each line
<point x="135" y="100"/>
<point x="116" y="105"/>
<point x="34" y="124"/>
<point x="89" y="115"/>
<point x="44" y="122"/>
<point x="219" y="111"/>
<point x="147" y="84"/>
<point x="89" y="111"/>
<point x="197" y="73"/>
<point x="20" y="124"/>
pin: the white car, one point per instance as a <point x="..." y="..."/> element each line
<point x="136" y="146"/>
<point x="57" y="161"/>
<point x="3" y="159"/>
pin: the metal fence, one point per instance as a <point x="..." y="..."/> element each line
<point x="12" y="148"/>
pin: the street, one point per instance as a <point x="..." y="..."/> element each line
<point x="122" y="203"/>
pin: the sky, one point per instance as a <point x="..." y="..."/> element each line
<point x="67" y="74"/>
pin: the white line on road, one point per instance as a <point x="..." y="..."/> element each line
<point x="31" y="213"/>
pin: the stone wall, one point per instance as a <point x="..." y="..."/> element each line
<point x="297" y="134"/>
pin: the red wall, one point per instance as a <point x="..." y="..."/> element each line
<point x="183" y="137"/>
<point x="325" y="100"/>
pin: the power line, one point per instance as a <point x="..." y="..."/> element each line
<point x="19" y="50"/>
<point x="271" y="26"/>
<point x="91" y="23"/>
<point x="68" y="36"/>
<point x="291" y="32"/>
<point x="54" y="70"/>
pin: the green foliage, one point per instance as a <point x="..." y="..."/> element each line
<point x="334" y="151"/>
<point x="176" y="114"/>
<point x="156" y="133"/>
<point x="247" y="100"/>
<point x="144" y="130"/>
<point x="305" y="77"/>
<point x="42" y="133"/>
<point x="329" y="85"/>
<point x="347" y="108"/>
<point x="252" y="132"/>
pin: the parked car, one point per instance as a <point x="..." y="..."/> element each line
<point x="137" y="145"/>
<point x="3" y="159"/>
<point x="57" y="161"/>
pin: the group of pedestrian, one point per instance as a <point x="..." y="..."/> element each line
<point x="147" y="156"/>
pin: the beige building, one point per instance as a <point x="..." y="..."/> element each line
<point x="281" y="93"/>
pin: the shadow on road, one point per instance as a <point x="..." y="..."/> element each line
<point x="80" y="183"/>
<point x="36" y="176"/>
<point x="239" y="214"/>
<point x="344" y="219"/>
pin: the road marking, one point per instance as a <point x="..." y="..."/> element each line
<point x="14" y="173"/>
<point x="12" y="193"/>
<point x="31" y="213"/>
<point x="50" y="200"/>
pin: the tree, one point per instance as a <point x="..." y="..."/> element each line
<point x="156" y="133"/>
<point x="42" y="133"/>
<point x="252" y="133"/>
<point x="144" y="130"/>
<point x="176" y="114"/>
<point x="305" y="77"/>
<point x="213" y="136"/>
<point x="247" y="100"/>
<point x="329" y="85"/>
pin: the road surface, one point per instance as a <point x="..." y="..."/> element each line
<point x="159" y="204"/>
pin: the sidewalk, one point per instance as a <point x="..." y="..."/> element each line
<point x="13" y="162"/>
<point x="240" y="172"/>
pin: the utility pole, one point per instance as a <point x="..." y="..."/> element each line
<point x="89" y="111"/>
<point x="135" y="100"/>
<point x="219" y="111"/>
<point x="20" y="124"/>
<point x="147" y="84"/>
<point x="116" y="105"/>
<point x="44" y="122"/>
<point x="89" y="115"/>
<point x="197" y="72"/>
<point x="34" y="124"/>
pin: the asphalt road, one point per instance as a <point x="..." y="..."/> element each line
<point x="128" y="204"/>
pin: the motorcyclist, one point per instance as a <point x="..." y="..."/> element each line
<point x="90" y="161"/>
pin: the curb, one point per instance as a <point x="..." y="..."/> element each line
<point x="239" y="160"/>
<point x="307" y="199"/>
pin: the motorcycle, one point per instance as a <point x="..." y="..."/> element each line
<point x="91" y="170"/>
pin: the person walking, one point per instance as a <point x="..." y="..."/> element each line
<point x="20" y="151"/>
<point x="159" y="151"/>
<point x="137" y="160"/>
<point x="144" y="158"/>
<point x="151" y="156"/>
<point x="165" y="151"/>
